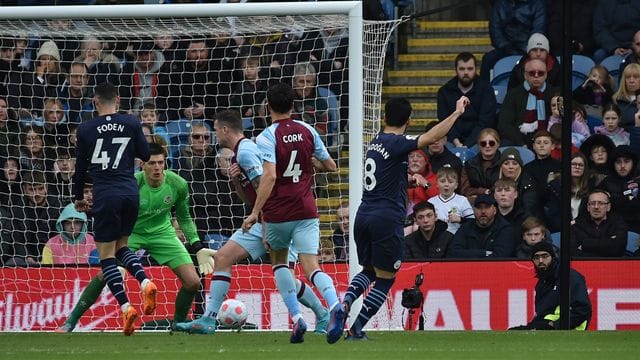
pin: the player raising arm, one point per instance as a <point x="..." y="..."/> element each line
<point x="160" y="191"/>
<point x="245" y="173"/>
<point x="378" y="226"/>
<point x="286" y="203"/>
<point x="106" y="147"/>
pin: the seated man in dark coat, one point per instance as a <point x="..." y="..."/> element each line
<point x="431" y="240"/>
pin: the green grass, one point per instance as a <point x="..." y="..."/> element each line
<point x="275" y="345"/>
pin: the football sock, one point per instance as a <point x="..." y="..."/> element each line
<point x="372" y="302"/>
<point x="359" y="284"/>
<point x="308" y="298"/>
<point x="113" y="278"/>
<point x="132" y="263"/>
<point x="184" y="300"/>
<point x="287" y="288"/>
<point x="324" y="284"/>
<point x="217" y="292"/>
<point x="88" y="297"/>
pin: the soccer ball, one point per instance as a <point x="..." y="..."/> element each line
<point x="233" y="313"/>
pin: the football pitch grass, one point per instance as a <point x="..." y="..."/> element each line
<point x="603" y="345"/>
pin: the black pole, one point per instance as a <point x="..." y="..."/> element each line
<point x="567" y="118"/>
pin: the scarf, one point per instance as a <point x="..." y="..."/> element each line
<point x="535" y="115"/>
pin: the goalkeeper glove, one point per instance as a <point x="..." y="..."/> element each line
<point x="204" y="257"/>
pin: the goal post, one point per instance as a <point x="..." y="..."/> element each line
<point x="344" y="105"/>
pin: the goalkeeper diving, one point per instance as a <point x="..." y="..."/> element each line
<point x="161" y="191"/>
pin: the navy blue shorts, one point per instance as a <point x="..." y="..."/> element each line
<point x="114" y="216"/>
<point x="379" y="242"/>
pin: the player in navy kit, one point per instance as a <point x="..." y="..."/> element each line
<point x="107" y="147"/>
<point x="378" y="226"/>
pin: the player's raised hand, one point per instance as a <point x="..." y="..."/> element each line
<point x="462" y="103"/>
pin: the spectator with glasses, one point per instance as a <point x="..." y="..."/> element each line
<point x="527" y="106"/>
<point x="481" y="171"/>
<point x="599" y="233"/>
<point x="198" y="149"/>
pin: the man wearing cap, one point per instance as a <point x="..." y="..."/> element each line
<point x="599" y="233"/>
<point x="547" y="302"/>
<point x="537" y="48"/>
<point x="487" y="236"/>
<point x="624" y="185"/>
<point x="481" y="112"/>
<point x="527" y="106"/>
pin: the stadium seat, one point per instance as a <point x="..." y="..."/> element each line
<point x="502" y="70"/>
<point x="462" y="152"/>
<point x="555" y="238"/>
<point x="500" y="92"/>
<point x="612" y="63"/>
<point x="592" y="122"/>
<point x="178" y="132"/>
<point x="632" y="243"/>
<point x="216" y="241"/>
<point x="581" y="67"/>
<point x="526" y="155"/>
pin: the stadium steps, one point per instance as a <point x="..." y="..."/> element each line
<point x="426" y="66"/>
<point x="439" y="45"/>
<point x="428" y="63"/>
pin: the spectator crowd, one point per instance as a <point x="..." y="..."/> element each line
<point x="490" y="189"/>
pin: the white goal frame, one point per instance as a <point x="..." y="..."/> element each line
<point x="351" y="8"/>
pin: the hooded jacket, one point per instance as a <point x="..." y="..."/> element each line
<point x="62" y="249"/>
<point x="625" y="191"/>
<point x="547" y="299"/>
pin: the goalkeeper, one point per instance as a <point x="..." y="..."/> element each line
<point x="160" y="191"/>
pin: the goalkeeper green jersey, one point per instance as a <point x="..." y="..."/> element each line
<point x="156" y="204"/>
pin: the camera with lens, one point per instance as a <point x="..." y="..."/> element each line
<point x="412" y="298"/>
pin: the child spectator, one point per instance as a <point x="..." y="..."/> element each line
<point x="72" y="245"/>
<point x="533" y="231"/>
<point x="250" y="93"/>
<point x="450" y="207"/>
<point x="579" y="128"/>
<point x="506" y="194"/>
<point x="597" y="148"/>
<point x="65" y="167"/>
<point x="149" y="116"/>
<point x="611" y="125"/>
<point x="597" y="89"/>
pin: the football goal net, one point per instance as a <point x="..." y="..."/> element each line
<point x="175" y="66"/>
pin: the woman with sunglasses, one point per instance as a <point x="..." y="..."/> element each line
<point x="481" y="171"/>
